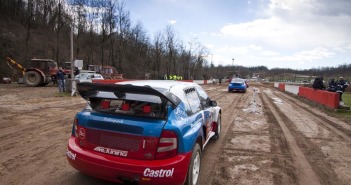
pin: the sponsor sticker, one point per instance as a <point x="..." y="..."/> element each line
<point x="113" y="120"/>
<point x="179" y="113"/>
<point x="71" y="155"/>
<point x="111" y="151"/>
<point x="158" y="173"/>
<point x="81" y="133"/>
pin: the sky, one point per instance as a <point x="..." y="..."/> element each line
<point x="295" y="34"/>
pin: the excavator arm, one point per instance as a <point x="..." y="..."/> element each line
<point x="16" y="65"/>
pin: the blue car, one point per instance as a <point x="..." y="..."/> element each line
<point x="143" y="132"/>
<point x="237" y="84"/>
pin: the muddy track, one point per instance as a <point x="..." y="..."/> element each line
<point x="211" y="151"/>
<point x="232" y="106"/>
<point x="312" y="140"/>
<point x="334" y="125"/>
<point x="303" y="170"/>
<point x="254" y="147"/>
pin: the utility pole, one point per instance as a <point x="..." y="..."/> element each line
<point x="233" y="67"/>
<point x="73" y="85"/>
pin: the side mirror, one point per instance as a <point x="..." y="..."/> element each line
<point x="213" y="103"/>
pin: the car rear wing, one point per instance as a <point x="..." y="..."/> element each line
<point x="97" y="90"/>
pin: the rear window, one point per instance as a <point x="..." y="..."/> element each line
<point x="236" y="80"/>
<point x="131" y="104"/>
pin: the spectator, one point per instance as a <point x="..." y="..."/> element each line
<point x="341" y="86"/>
<point x="332" y="85"/>
<point x="60" y="76"/>
<point x="76" y="71"/>
<point x="318" y="83"/>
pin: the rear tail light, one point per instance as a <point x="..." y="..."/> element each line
<point x="167" y="146"/>
<point x="75" y="127"/>
<point x="214" y="126"/>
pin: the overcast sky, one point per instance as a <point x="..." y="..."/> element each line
<point x="296" y="34"/>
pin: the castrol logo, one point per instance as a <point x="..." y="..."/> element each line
<point x="81" y="133"/>
<point x="158" y="173"/>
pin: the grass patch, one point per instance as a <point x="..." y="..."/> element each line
<point x="346" y="98"/>
<point x="343" y="114"/>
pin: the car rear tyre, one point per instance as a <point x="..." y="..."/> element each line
<point x="192" y="177"/>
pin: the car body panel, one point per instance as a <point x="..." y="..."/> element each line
<point x="118" y="169"/>
<point x="114" y="145"/>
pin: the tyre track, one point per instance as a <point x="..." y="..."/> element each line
<point x="304" y="172"/>
<point x="341" y="129"/>
<point x="329" y="157"/>
<point x="216" y="171"/>
<point x="228" y="102"/>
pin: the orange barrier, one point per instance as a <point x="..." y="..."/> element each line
<point x="281" y="87"/>
<point x="329" y="99"/>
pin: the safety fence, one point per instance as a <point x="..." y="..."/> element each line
<point x="326" y="98"/>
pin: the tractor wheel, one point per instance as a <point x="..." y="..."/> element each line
<point x="33" y="79"/>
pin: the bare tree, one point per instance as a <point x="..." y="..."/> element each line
<point x="169" y="38"/>
<point x="123" y="28"/>
<point x="158" y="52"/>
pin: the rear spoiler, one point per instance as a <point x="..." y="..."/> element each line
<point x="90" y="90"/>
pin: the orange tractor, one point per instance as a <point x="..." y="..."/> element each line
<point x="39" y="73"/>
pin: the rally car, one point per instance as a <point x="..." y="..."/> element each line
<point x="237" y="84"/>
<point x="143" y="132"/>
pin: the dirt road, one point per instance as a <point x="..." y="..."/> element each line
<point x="268" y="137"/>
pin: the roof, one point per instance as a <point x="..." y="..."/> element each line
<point x="166" y="89"/>
<point x="159" y="84"/>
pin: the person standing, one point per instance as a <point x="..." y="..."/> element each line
<point x="60" y="76"/>
<point x="342" y="85"/>
<point x="76" y="71"/>
<point x="332" y="85"/>
<point x="318" y="84"/>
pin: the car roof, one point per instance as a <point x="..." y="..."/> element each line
<point x="162" y="88"/>
<point x="238" y="79"/>
<point x="160" y="84"/>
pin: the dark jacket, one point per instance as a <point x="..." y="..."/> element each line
<point x="332" y="86"/>
<point x="76" y="71"/>
<point x="342" y="85"/>
<point x="60" y="75"/>
<point x="318" y="83"/>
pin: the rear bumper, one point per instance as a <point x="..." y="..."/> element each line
<point x="118" y="169"/>
<point x="236" y="89"/>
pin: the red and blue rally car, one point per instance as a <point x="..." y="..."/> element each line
<point x="143" y="132"/>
